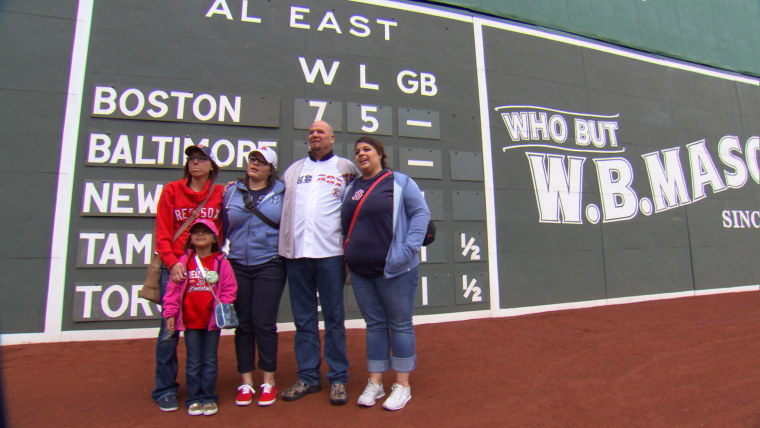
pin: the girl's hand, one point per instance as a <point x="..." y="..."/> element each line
<point x="170" y="323"/>
<point x="178" y="272"/>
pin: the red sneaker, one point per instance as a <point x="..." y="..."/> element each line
<point x="245" y="395"/>
<point x="268" y="395"/>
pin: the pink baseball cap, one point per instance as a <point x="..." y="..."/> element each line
<point x="206" y="222"/>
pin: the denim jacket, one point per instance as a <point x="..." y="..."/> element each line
<point x="252" y="242"/>
<point x="410" y="219"/>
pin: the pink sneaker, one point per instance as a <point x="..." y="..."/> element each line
<point x="268" y="395"/>
<point x="245" y="395"/>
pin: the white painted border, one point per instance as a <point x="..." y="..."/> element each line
<point x="66" y="167"/>
<point x="418" y="9"/>
<point x="485" y="131"/>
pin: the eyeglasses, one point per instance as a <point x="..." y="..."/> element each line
<point x="198" y="158"/>
<point x="256" y="161"/>
<point x="201" y="231"/>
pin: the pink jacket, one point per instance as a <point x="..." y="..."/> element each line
<point x="225" y="289"/>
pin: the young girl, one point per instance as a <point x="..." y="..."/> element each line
<point x="189" y="306"/>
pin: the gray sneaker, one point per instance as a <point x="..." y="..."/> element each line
<point x="398" y="398"/>
<point x="195" y="409"/>
<point x="210" y="409"/>
<point x="168" y="403"/>
<point x="338" y="394"/>
<point x="299" y="390"/>
<point x="371" y="393"/>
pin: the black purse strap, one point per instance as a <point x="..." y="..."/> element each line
<point x="254" y="209"/>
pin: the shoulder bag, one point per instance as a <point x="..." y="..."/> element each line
<point x="224" y="313"/>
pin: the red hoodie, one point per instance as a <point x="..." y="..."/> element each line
<point x="176" y="204"/>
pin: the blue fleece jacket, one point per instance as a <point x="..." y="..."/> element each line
<point x="252" y="242"/>
<point x="410" y="219"/>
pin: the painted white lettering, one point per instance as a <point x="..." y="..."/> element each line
<point x="104" y="102"/>
<point x="667" y="182"/>
<point x="751" y="150"/>
<point x="156" y="99"/>
<point x="147" y="202"/>
<point x="539" y="124"/>
<point x="210" y="111"/>
<point x="219" y="7"/>
<point x="105" y="298"/>
<point x="328" y="21"/>
<point x="136" y="300"/>
<point x="99" y="148"/>
<point x="111" y="251"/>
<point x="139" y="103"/>
<point x="137" y="245"/>
<point x="703" y="171"/>
<point x="738" y="178"/>
<point x="297" y="15"/>
<point x="88" y="291"/>
<point x="387" y="24"/>
<point x="91" y="239"/>
<point x="517" y="124"/>
<point x="91" y="194"/>
<point x="244" y="14"/>
<point x="558" y="189"/>
<point x="139" y="159"/>
<point x="117" y="197"/>
<point x="359" y="26"/>
<point x="319" y="67"/>
<point x="363" y="79"/>
<point x="618" y="198"/>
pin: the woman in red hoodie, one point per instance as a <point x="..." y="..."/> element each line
<point x="179" y="201"/>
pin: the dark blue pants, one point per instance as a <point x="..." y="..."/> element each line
<point x="259" y="292"/>
<point x="202" y="367"/>
<point x="166" y="352"/>
<point x="306" y="277"/>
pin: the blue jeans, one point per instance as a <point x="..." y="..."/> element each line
<point x="259" y="292"/>
<point x="166" y="351"/>
<point x="387" y="306"/>
<point x="306" y="277"/>
<point x="202" y="367"/>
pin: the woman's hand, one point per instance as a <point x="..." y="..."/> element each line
<point x="170" y="323"/>
<point x="178" y="272"/>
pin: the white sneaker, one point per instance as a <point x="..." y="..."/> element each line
<point x="398" y="398"/>
<point x="371" y="393"/>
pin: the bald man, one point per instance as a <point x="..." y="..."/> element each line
<point x="311" y="241"/>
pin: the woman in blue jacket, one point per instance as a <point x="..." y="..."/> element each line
<point x="384" y="218"/>
<point x="251" y="217"/>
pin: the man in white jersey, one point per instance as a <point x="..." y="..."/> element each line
<point x="311" y="240"/>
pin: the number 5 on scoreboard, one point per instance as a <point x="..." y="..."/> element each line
<point x="369" y="119"/>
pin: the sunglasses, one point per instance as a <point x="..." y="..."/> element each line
<point x="256" y="161"/>
<point x="198" y="158"/>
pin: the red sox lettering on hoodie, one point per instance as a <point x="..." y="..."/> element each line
<point x="210" y="213"/>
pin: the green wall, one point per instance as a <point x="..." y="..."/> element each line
<point x="723" y="34"/>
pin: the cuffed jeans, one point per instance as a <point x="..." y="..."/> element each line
<point x="259" y="292"/>
<point x="387" y="305"/>
<point x="306" y="277"/>
<point x="202" y="367"/>
<point x="166" y="351"/>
